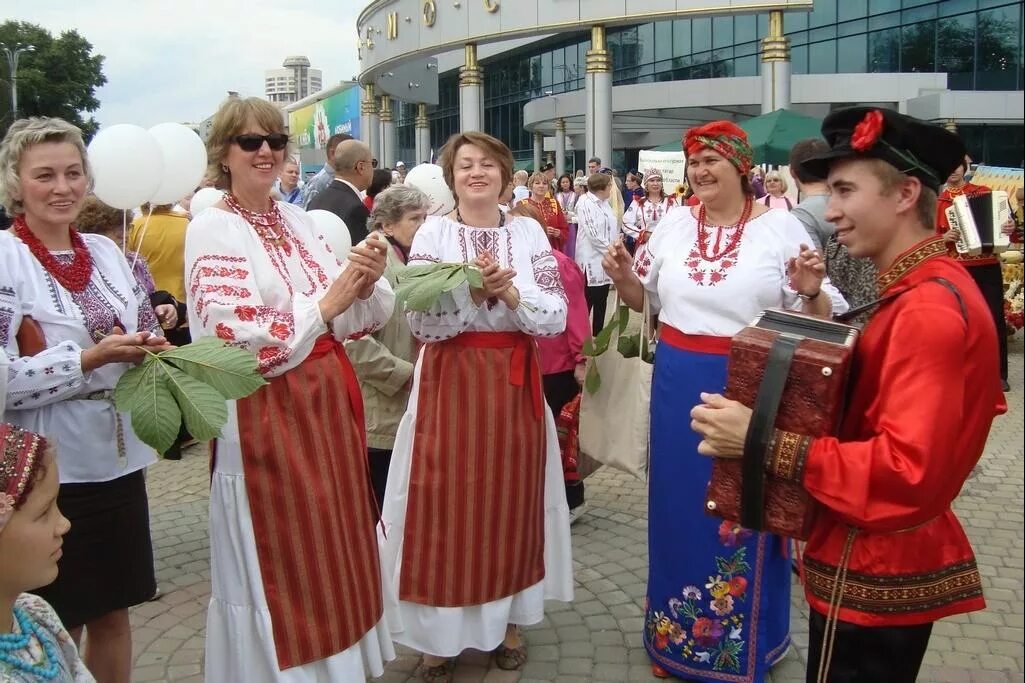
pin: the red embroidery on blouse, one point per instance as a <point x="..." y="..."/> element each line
<point x="280" y="331"/>
<point x="270" y="357"/>
<point x="706" y="271"/>
<point x="642" y="265"/>
<point x="224" y="332"/>
<point x="429" y="258"/>
<point x="245" y="313"/>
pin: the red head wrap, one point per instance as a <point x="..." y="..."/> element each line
<point x="724" y="137"/>
<point x="20" y="452"/>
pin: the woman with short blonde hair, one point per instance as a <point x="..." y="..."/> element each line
<point x="74" y="321"/>
<point x="775" y="192"/>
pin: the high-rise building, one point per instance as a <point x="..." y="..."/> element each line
<point x="294" y="81"/>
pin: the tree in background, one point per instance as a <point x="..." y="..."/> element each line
<point x="58" y="79"/>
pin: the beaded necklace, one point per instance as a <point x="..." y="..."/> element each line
<point x="715" y="253"/>
<point x="955" y="191"/>
<point x="11" y="643"/>
<point x="269" y="225"/>
<point x="501" y="218"/>
<point x="73" y="276"/>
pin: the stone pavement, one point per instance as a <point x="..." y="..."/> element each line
<point x="598" y="637"/>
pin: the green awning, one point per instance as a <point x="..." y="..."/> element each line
<point x="771" y="135"/>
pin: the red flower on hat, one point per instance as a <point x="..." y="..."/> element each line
<point x="867" y="132"/>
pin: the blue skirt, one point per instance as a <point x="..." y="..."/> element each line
<point x="718" y="603"/>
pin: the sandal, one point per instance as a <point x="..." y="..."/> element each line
<point x="442" y="673"/>
<point x="511" y="658"/>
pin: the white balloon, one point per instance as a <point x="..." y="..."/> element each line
<point x="127" y="165"/>
<point x="204" y="199"/>
<point x="430" y="179"/>
<point x="184" y="161"/>
<point x="334" y="231"/>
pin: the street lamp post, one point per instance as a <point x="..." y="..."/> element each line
<point x="12" y="62"/>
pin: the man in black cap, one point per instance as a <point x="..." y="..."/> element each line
<point x="886" y="556"/>
<point x="549" y="171"/>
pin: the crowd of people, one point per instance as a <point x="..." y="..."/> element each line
<point x="399" y="478"/>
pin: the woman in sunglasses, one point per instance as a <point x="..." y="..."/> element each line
<point x="296" y="586"/>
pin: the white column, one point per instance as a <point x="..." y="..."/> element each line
<point x="775" y="66"/>
<point x="539" y="149"/>
<point x="369" y="123"/>
<point x="598" y="91"/>
<point x="560" y="147"/>
<point x="422" y="126"/>
<point x="387" y="157"/>
<point x="471" y="87"/>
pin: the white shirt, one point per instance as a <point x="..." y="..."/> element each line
<point x="721" y="295"/>
<point x="596" y="230"/>
<point x="48" y="393"/>
<point x="520" y="244"/>
<point x="644" y="215"/>
<point x="246" y="292"/>
<point x="359" y="193"/>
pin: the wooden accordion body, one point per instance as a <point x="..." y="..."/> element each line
<point x="980" y="220"/>
<point x="804" y="394"/>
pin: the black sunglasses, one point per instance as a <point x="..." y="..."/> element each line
<point x="250" y="142"/>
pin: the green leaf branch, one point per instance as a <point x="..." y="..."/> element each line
<point x="191" y="382"/>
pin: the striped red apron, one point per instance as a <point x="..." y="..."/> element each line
<point x="474" y="528"/>
<point x="304" y="454"/>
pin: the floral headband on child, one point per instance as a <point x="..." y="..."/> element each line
<point x="20" y="451"/>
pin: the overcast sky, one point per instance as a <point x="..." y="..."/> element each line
<point x="175" y="60"/>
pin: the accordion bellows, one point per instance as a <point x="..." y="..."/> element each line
<point x="811" y="403"/>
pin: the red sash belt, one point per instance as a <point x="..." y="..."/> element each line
<point x="698" y="343"/>
<point x="524" y="364"/>
<point x="327" y="344"/>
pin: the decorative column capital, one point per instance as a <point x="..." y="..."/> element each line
<point x="539" y="136"/>
<point x="421" y="116"/>
<point x="775" y="46"/>
<point x="470" y="73"/>
<point x="386" y="116"/>
<point x="599" y="59"/>
<point x="560" y="125"/>
<point x="369" y="104"/>
<point x="951" y="125"/>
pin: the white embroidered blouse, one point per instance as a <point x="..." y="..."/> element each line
<point x="520" y="244"/>
<point x="266" y="297"/>
<point x="720" y="291"/>
<point x="48" y="393"/>
<point x="644" y="215"/>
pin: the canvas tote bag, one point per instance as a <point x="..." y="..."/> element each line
<point x="616" y="397"/>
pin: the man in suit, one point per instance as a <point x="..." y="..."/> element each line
<point x="323" y="178"/>
<point x="354" y="170"/>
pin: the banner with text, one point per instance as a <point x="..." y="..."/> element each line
<point x="312" y="126"/>
<point x="669" y="164"/>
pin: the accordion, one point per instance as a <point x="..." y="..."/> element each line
<point x="791" y="369"/>
<point x="980" y="220"/>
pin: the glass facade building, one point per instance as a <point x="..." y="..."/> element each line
<point x="980" y="44"/>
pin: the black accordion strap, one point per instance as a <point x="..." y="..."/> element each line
<point x="763" y="422"/>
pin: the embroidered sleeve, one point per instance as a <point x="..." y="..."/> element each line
<point x="788" y="453"/>
<point x="53" y="373"/>
<point x="225" y="301"/>
<point x="454" y="311"/>
<point x="646" y="266"/>
<point x="365" y="316"/>
<point x="543" y="304"/>
<point x="593" y="221"/>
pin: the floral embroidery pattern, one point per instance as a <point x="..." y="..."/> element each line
<point x="642" y="264"/>
<point x="705" y="272"/>
<point x="703" y="626"/>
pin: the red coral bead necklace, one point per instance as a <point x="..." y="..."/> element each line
<point x="73" y="276"/>
<point x="704" y="232"/>
<point x="269" y="225"/>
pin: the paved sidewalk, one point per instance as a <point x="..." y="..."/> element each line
<point x="598" y="636"/>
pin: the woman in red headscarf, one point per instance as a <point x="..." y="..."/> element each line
<point x="718" y="602"/>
